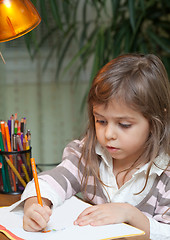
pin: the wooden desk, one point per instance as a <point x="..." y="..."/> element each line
<point x="3" y="237"/>
<point x="7" y="200"/>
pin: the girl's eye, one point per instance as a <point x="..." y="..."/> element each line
<point x="101" y="121"/>
<point x="125" y="125"/>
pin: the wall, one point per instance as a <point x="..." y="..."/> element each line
<point x="2" y="87"/>
<point x="52" y="108"/>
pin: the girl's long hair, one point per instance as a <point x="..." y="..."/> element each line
<point x="141" y="82"/>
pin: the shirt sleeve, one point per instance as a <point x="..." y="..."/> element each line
<point x="159" y="231"/>
<point x="160" y="223"/>
<point x="61" y="182"/>
<point x="46" y="192"/>
<point x="65" y="179"/>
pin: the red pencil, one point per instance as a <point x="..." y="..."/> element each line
<point x="7" y="136"/>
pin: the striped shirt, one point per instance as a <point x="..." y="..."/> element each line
<point x="64" y="181"/>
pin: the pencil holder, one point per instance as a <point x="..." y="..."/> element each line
<point x="15" y="171"/>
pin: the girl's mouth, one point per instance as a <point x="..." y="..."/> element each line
<point x="112" y="149"/>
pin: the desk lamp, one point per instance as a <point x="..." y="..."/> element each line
<point x="17" y="17"/>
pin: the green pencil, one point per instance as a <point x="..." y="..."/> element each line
<point x="5" y="174"/>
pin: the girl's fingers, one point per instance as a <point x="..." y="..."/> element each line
<point x="36" y="218"/>
<point x="93" y="219"/>
<point x="102" y="214"/>
<point x="87" y="216"/>
<point x="30" y="225"/>
<point x="40" y="219"/>
<point x="87" y="211"/>
<point x="45" y="211"/>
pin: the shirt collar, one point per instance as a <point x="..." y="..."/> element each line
<point x="160" y="162"/>
<point x="106" y="157"/>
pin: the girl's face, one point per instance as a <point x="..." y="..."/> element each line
<point x="121" y="130"/>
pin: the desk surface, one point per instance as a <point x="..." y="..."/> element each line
<point x="7" y="200"/>
<point x="3" y="237"/>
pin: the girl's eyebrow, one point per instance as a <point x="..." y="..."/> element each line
<point x="98" y="115"/>
<point x="120" y="118"/>
<point x="95" y="113"/>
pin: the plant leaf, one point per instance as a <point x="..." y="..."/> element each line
<point x="44" y="39"/>
<point x="55" y="11"/>
<point x="131" y="4"/>
<point x="63" y="53"/>
<point x="43" y="9"/>
<point x="50" y="54"/>
<point x="84" y="49"/>
<point x="66" y="10"/>
<point x="159" y="41"/>
<point x="78" y="54"/>
<point x="166" y="61"/>
<point x="115" y="10"/>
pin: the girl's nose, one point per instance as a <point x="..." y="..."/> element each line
<point x="110" y="132"/>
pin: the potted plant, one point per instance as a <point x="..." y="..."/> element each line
<point x="102" y="30"/>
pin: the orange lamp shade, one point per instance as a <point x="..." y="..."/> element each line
<point x="17" y="17"/>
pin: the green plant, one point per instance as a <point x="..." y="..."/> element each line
<point x="102" y="30"/>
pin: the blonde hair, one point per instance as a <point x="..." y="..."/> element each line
<point x="141" y="81"/>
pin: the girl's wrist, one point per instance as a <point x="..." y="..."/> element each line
<point x="136" y="218"/>
<point x="132" y="213"/>
<point x="29" y="201"/>
<point x="46" y="202"/>
<point x="129" y="213"/>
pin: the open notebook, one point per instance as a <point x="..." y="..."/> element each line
<point x="62" y="223"/>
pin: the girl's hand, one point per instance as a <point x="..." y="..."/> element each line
<point x="36" y="217"/>
<point x="110" y="213"/>
<point x="103" y="214"/>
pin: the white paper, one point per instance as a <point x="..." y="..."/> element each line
<point x="62" y="220"/>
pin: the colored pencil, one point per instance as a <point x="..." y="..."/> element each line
<point x="5" y="186"/>
<point x="16" y="166"/>
<point x="7" y="135"/>
<point x="16" y="172"/>
<point x="34" y="170"/>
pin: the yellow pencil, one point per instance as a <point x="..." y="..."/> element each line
<point x="25" y="172"/>
<point x="23" y="169"/>
<point x="28" y="156"/>
<point x="15" y="171"/>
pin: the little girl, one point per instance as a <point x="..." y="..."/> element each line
<point x="122" y="163"/>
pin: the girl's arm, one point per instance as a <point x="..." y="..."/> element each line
<point x="56" y="185"/>
<point x="111" y="213"/>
